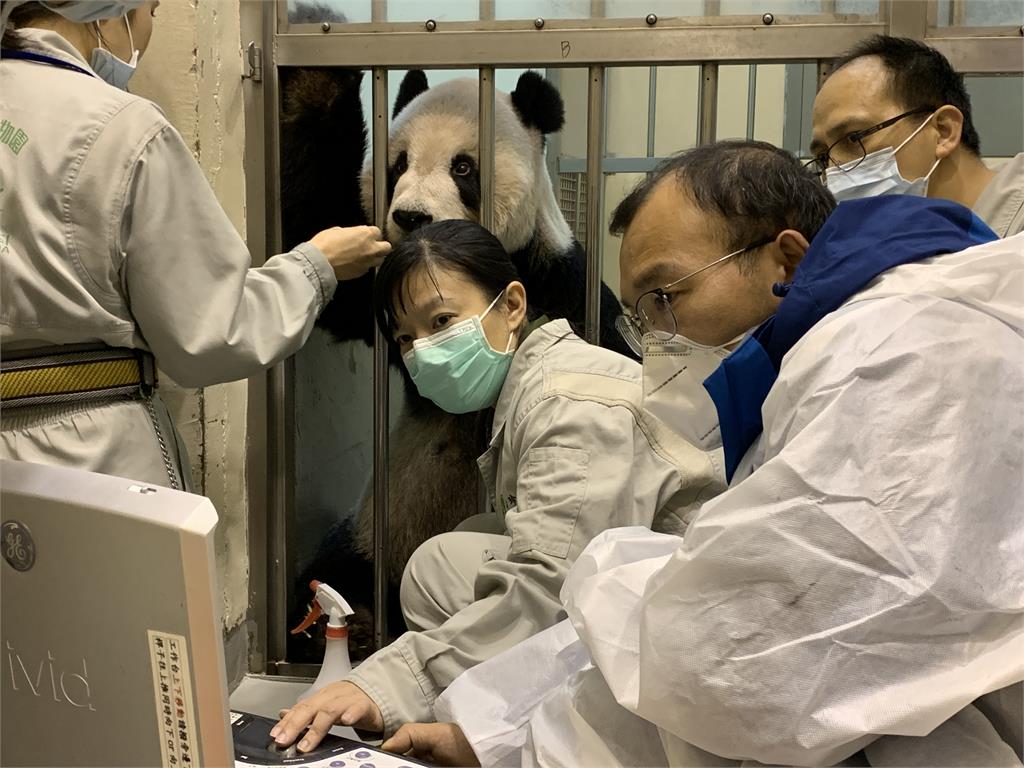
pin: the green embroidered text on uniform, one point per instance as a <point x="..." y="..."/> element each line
<point x="12" y="136"/>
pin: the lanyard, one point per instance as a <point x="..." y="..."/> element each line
<point x="40" y="58"/>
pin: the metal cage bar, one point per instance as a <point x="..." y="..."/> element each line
<point x="486" y="147"/>
<point x="280" y="390"/>
<point x="707" y="122"/>
<point x="381" y="375"/>
<point x="595" y="188"/>
<point x="751" y="99"/>
<point x="485" y="154"/>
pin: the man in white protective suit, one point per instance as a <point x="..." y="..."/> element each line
<point x="857" y="595"/>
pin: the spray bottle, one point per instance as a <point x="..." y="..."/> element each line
<point x="336" y="662"/>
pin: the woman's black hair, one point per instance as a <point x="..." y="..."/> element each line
<point x="22" y="16"/>
<point x="454" y="244"/>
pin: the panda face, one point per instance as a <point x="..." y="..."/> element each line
<point x="434" y="174"/>
<point x="433" y="167"/>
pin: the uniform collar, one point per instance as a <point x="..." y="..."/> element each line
<point x="49" y="43"/>
<point x="541" y="335"/>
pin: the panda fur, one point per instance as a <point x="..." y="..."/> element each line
<point x="433" y="477"/>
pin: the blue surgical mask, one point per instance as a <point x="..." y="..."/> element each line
<point x="458" y="368"/>
<point x="113" y="70"/>
<point x="877" y="174"/>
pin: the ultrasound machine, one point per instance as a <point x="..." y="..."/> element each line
<point x="112" y="636"/>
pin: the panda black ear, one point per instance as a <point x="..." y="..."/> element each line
<point x="538" y="103"/>
<point x="413" y="84"/>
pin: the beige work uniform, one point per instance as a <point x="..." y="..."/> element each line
<point x="1001" y="203"/>
<point x="109" y="232"/>
<point x="571" y="455"/>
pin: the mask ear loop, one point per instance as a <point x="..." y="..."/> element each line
<point x="131" y="39"/>
<point x="934" y="166"/>
<point x="904" y="142"/>
<point x="916" y="131"/>
<point x="508" y="347"/>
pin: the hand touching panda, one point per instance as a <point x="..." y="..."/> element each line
<point x="352" y="251"/>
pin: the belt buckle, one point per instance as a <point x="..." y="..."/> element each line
<point x="147" y="373"/>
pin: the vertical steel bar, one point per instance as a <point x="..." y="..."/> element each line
<point x="652" y="108"/>
<point x="486" y="147"/>
<point x="908" y="18"/>
<point x="487" y="10"/>
<point x="280" y="401"/>
<point x="708" y="110"/>
<point x="485" y="153"/>
<point x="958" y="13"/>
<point x="595" y="188"/>
<point x="253" y="22"/>
<point x="751" y="99"/>
<point x="824" y="70"/>
<point x="380" y="375"/>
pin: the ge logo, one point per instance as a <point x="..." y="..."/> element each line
<point x="18" y="546"/>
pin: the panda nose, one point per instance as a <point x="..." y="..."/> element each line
<point x="410" y="220"/>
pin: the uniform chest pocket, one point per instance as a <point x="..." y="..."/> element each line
<point x="552" y="485"/>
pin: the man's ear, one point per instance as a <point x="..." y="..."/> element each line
<point x="791" y="246"/>
<point x="949" y="122"/>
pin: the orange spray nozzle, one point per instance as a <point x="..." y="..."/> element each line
<point x="314" y="613"/>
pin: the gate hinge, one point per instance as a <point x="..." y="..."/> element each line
<point x="254" y="62"/>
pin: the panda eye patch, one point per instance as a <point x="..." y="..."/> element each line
<point x="401" y="164"/>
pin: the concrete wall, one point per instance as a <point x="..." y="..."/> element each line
<point x="192" y="69"/>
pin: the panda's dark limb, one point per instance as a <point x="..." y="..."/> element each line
<point x="432" y="480"/>
<point x="433" y="487"/>
<point x="338" y="563"/>
<point x="556" y="287"/>
<point x="323" y="141"/>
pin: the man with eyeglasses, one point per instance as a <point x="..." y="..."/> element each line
<point x="860" y="585"/>
<point x="894" y="118"/>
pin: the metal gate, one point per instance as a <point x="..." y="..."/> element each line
<point x="708" y="38"/>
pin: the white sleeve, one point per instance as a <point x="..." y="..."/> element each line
<point x="868" y="577"/>
<point x="204" y="312"/>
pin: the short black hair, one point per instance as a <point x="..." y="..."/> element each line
<point x="919" y="76"/>
<point x="753" y="188"/>
<point x="455" y="244"/>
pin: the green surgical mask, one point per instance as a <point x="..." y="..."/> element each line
<point x="458" y="368"/>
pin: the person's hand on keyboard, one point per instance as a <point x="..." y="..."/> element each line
<point x="436" y="743"/>
<point x="338" y="703"/>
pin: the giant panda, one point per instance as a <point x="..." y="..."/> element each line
<point x="432" y="174"/>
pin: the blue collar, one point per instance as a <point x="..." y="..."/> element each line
<point x="861" y="240"/>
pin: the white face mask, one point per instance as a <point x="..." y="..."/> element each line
<point x="109" y="67"/>
<point x="673" y="374"/>
<point x="877" y="174"/>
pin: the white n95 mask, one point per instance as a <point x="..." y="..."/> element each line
<point x="673" y="386"/>
<point x="877" y="174"/>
